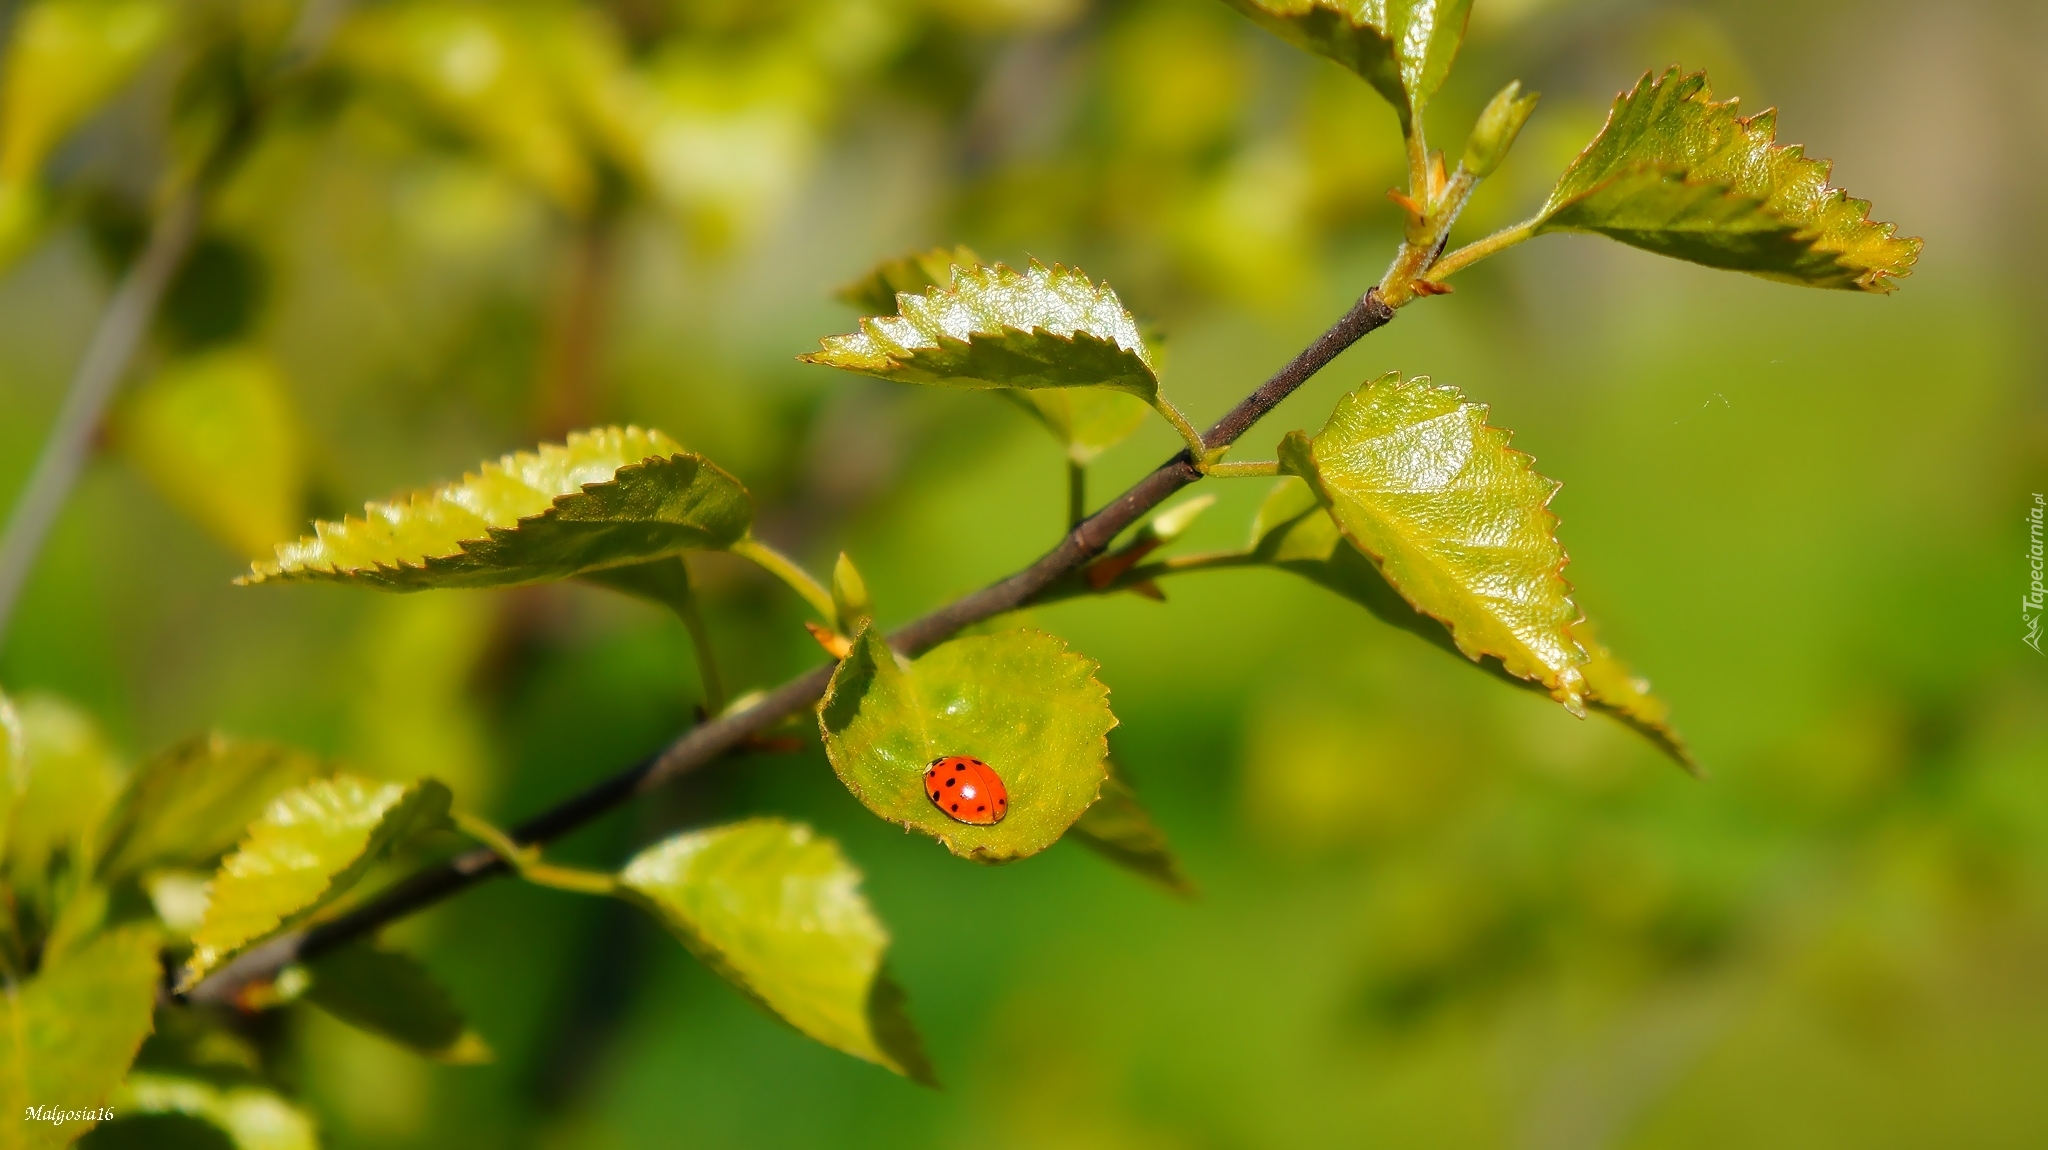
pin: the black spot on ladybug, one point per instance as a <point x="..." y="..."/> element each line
<point x="951" y="781"/>
<point x="981" y="808"/>
<point x="956" y="806"/>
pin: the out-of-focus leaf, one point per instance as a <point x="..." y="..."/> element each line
<point x="249" y="1117"/>
<point x="188" y="804"/>
<point x="1403" y="48"/>
<point x="64" y="60"/>
<point x="1120" y="829"/>
<point x="13" y="767"/>
<point x="851" y="606"/>
<point x="167" y="1131"/>
<point x="1019" y="701"/>
<point x="68" y="1034"/>
<point x="1674" y="172"/>
<point x="1456" y="520"/>
<point x="216" y="435"/>
<point x="391" y="994"/>
<point x="605" y="499"/>
<point x="1294" y="533"/>
<point x="310" y="846"/>
<point x="1086" y="420"/>
<point x="65" y="779"/>
<point x="777" y="911"/>
<point x="875" y="292"/>
<point x="999" y="327"/>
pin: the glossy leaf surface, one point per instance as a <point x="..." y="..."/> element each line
<point x="1456" y="520"/>
<point x="1019" y="701"/>
<point x="607" y="498"/>
<point x="309" y="847"/>
<point x="68" y="1034"/>
<point x="1120" y="829"/>
<point x="777" y="911"/>
<point x="389" y="993"/>
<point x="1404" y="48"/>
<point x="1294" y="533"/>
<point x="999" y="327"/>
<point x="1676" y="173"/>
<point x="216" y="435"/>
<point x="190" y="803"/>
<point x="875" y="292"/>
<point x="249" y="1117"/>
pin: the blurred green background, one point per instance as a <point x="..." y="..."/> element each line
<point x="1435" y="912"/>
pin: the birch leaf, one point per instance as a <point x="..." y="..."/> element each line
<point x="777" y="911"/>
<point x="247" y="1117"/>
<point x="389" y="993"/>
<point x="1087" y="421"/>
<point x="309" y="848"/>
<point x="1019" y="701"/>
<point x="68" y="1034"/>
<point x="187" y="805"/>
<point x="999" y="327"/>
<point x="1120" y="829"/>
<point x="606" y="498"/>
<point x="915" y="272"/>
<point x="1403" y="48"/>
<point x="1676" y="173"/>
<point x="1457" y="521"/>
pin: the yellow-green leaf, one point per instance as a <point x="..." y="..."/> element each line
<point x="1676" y="173"/>
<point x="999" y="327"/>
<point x="875" y="292"/>
<point x="250" y="1117"/>
<point x="1120" y="829"/>
<point x="777" y="911"/>
<point x="1019" y="701"/>
<point x="310" y="846"/>
<point x="13" y="768"/>
<point x="65" y="778"/>
<point x="1086" y="420"/>
<point x="68" y="1034"/>
<point x="1403" y="48"/>
<point x="607" y="498"/>
<point x="188" y="804"/>
<point x="1294" y="533"/>
<point x="216" y="435"/>
<point x="389" y="993"/>
<point x="1456" y="520"/>
<point x="851" y="605"/>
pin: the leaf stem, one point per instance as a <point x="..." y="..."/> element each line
<point x="527" y="861"/>
<point x="1197" y="449"/>
<point x="712" y="741"/>
<point x="791" y="572"/>
<point x="1243" y="470"/>
<point x="1477" y="250"/>
<point x="1077" y="493"/>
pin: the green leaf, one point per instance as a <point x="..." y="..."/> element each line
<point x="190" y="803"/>
<point x="876" y="291"/>
<point x="1120" y="829"/>
<point x="1497" y="128"/>
<point x="389" y="993"/>
<point x="1294" y="533"/>
<point x="998" y="327"/>
<point x="251" y="1117"/>
<point x="1087" y="421"/>
<point x="851" y="606"/>
<point x="68" y="1034"/>
<point x="216" y="435"/>
<point x="13" y="768"/>
<point x="1457" y="521"/>
<point x="309" y="847"/>
<point x="777" y="911"/>
<point x="1403" y="48"/>
<point x="1674" y="172"/>
<point x="607" y="498"/>
<point x="1019" y="701"/>
<point x="64" y="779"/>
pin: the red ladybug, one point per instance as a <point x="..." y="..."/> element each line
<point x="968" y="790"/>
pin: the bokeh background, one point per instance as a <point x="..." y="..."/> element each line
<point x="1435" y="912"/>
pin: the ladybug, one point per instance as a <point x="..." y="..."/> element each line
<point x="968" y="790"/>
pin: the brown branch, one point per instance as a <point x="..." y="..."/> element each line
<point x="710" y="741"/>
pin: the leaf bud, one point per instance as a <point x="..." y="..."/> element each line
<point x="1498" y="125"/>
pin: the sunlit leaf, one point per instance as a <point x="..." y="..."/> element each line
<point x="999" y="327"/>
<point x="309" y="847"/>
<point x="250" y="1117"/>
<point x="1674" y="172"/>
<point x="13" y="768"/>
<point x="1404" y="48"/>
<point x="1456" y="520"/>
<point x="875" y="292"/>
<point x="1019" y="701"/>
<point x="1087" y="421"/>
<point x="65" y="778"/>
<point x="777" y="911"/>
<point x="1120" y="829"/>
<point x="190" y="803"/>
<point x="68" y="1034"/>
<point x="605" y="499"/>
<point x="391" y="994"/>
<point x="1294" y="533"/>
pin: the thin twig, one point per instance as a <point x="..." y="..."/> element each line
<point x="710" y="741"/>
<point x="120" y="332"/>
